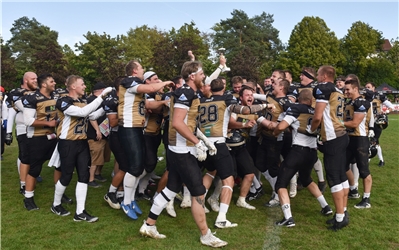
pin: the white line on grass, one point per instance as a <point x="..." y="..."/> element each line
<point x="272" y="238"/>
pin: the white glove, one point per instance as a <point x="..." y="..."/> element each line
<point x="371" y="133"/>
<point x="211" y="147"/>
<point x="106" y="91"/>
<point x="310" y="131"/>
<point x="201" y="151"/>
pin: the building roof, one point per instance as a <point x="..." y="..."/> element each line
<point x="386" y="46"/>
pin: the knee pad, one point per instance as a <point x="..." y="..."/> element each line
<point x="228" y="187"/>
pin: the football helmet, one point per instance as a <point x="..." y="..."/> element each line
<point x="372" y="148"/>
<point x="382" y="121"/>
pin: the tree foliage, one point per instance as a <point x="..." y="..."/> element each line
<point x="100" y="59"/>
<point x="311" y="44"/>
<point x="251" y="44"/>
<point x="8" y="72"/>
<point x="140" y="43"/>
<point x="170" y="52"/>
<point x="29" y="39"/>
<point x="361" y="43"/>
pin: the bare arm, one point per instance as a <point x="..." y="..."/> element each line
<point x="280" y="127"/>
<point x="151" y="88"/>
<point x="113" y="119"/>
<point x="357" y="119"/>
<point x="318" y="115"/>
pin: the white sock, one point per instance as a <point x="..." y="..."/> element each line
<point x="286" y="211"/>
<point x="59" y="191"/>
<point x="128" y="183"/>
<point x="318" y="167"/>
<point x="81" y="193"/>
<point x="355" y="172"/>
<point x="136" y="183"/>
<point x="366" y="195"/>
<point x="271" y="180"/>
<point x="186" y="193"/>
<point x="252" y="189"/>
<point x="222" y="212"/>
<point x="322" y="201"/>
<point x="160" y="202"/>
<point x="143" y="183"/>
<point x="22" y="183"/>
<point x="218" y="188"/>
<point x="112" y="189"/>
<point x="339" y="217"/>
<point x="29" y="194"/>
<point x="242" y="199"/>
<point x="379" y="153"/>
<point x="19" y="165"/>
<point x="256" y="183"/>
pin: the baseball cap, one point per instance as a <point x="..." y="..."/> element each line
<point x="99" y="85"/>
<point x="2" y="89"/>
<point x="148" y="75"/>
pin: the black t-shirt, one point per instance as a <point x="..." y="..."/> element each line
<point x="91" y="132"/>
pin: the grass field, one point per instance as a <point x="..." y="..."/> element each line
<point x="375" y="228"/>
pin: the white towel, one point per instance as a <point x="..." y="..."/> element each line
<point x="55" y="158"/>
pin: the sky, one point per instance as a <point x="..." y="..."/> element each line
<point x="72" y="19"/>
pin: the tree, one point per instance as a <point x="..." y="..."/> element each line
<point x="170" y="52"/>
<point x="8" y="72"/>
<point x="250" y="43"/>
<point x="29" y="39"/>
<point x="393" y="57"/>
<point x="311" y="44"/>
<point x="51" y="61"/>
<point x="361" y="43"/>
<point x="100" y="59"/>
<point x="140" y="44"/>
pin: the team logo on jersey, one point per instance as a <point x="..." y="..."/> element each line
<point x="64" y="104"/>
<point x="289" y="109"/>
<point x="25" y="102"/>
<point x="134" y="83"/>
<point x="318" y="92"/>
<point x="362" y="108"/>
<point x="234" y="98"/>
<point x="295" y="92"/>
<point x="182" y="97"/>
<point x="14" y="98"/>
<point x="106" y="107"/>
<point x="167" y="98"/>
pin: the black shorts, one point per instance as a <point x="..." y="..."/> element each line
<point x="299" y="159"/>
<point x="358" y="149"/>
<point x="335" y="160"/>
<point x="184" y="169"/>
<point x="118" y="151"/>
<point x="41" y="150"/>
<point x="287" y="142"/>
<point x="268" y="156"/>
<point x="221" y="162"/>
<point x="74" y="154"/>
<point x="377" y="132"/>
<point x="243" y="163"/>
<point x="23" y="149"/>
<point x="252" y="147"/>
<point x="151" y="143"/>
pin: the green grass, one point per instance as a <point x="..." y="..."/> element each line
<point x="375" y="228"/>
